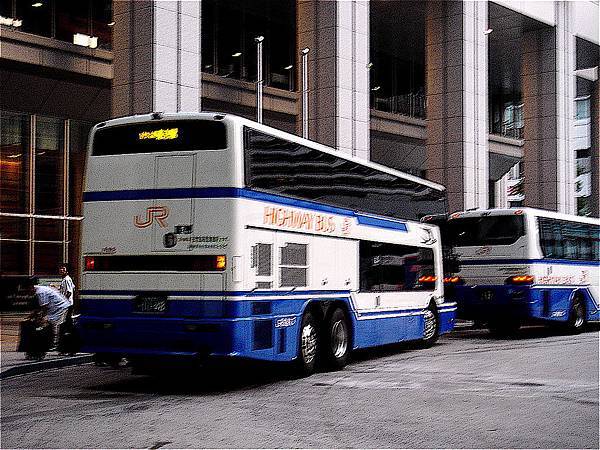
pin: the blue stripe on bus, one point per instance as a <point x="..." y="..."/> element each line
<point x="217" y="293"/>
<point x="230" y="192"/>
<point x="472" y="262"/>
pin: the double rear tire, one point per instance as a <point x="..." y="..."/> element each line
<point x="326" y="342"/>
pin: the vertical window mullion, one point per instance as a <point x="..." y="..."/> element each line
<point x="66" y="212"/>
<point x="53" y="19"/>
<point x="32" y="145"/>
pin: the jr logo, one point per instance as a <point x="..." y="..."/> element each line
<point x="158" y="213"/>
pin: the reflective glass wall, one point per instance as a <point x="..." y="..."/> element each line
<point x="42" y="162"/>
<point x="229" y="28"/>
<point x="63" y="19"/>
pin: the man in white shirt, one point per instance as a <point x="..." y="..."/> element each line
<point x="67" y="287"/>
<point x="54" y="306"/>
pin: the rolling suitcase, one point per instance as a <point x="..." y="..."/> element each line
<point x="35" y="339"/>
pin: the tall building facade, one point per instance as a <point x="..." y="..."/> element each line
<point x="496" y="100"/>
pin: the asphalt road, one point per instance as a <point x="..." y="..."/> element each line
<point x="537" y="391"/>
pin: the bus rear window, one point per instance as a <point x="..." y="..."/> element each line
<point x="490" y="230"/>
<point x="160" y="136"/>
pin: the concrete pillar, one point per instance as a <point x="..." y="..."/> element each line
<point x="156" y="47"/>
<point x="595" y="149"/>
<point x="457" y="146"/>
<point x="548" y="64"/>
<point x="337" y="33"/>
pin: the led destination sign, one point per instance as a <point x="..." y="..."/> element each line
<point x="160" y="136"/>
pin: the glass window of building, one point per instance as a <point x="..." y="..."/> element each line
<point x="64" y="19"/>
<point x="42" y="179"/>
<point x="49" y="160"/>
<point x="397" y="66"/>
<point x="228" y="46"/>
<point x="6" y="9"/>
<point x="72" y="17"/>
<point x="36" y="16"/>
<point x="102" y="22"/>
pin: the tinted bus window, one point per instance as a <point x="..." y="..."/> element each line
<point x="563" y="239"/>
<point x="389" y="267"/>
<point x="282" y="167"/>
<point x="489" y="230"/>
<point x="162" y="136"/>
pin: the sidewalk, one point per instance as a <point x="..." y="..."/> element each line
<point x="14" y="363"/>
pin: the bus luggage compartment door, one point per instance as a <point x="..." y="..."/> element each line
<point x="172" y="226"/>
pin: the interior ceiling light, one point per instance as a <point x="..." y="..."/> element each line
<point x="288" y="67"/>
<point x="237" y="54"/>
<point x="488" y="31"/>
<point x="37" y="4"/>
<point x="110" y="24"/>
<point x="369" y="65"/>
<point x="10" y="22"/>
<point x="376" y="88"/>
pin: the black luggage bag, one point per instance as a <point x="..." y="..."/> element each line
<point x="68" y="341"/>
<point x="35" y="338"/>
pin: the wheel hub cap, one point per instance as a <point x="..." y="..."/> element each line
<point x="339" y="339"/>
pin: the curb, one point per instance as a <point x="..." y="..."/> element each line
<point x="45" y="365"/>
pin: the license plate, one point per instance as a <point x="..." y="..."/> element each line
<point x="487" y="295"/>
<point x="150" y="304"/>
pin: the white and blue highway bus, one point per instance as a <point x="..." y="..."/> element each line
<point x="525" y="265"/>
<point x="209" y="235"/>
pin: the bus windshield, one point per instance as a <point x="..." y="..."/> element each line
<point x="488" y="230"/>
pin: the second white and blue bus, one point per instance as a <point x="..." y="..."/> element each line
<point x="209" y="235"/>
<point x="524" y="265"/>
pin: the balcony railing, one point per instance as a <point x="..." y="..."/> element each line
<point x="411" y="105"/>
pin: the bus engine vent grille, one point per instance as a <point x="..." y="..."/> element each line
<point x="293" y="255"/>
<point x="293" y="276"/>
<point x="263" y="334"/>
<point x="261" y="259"/>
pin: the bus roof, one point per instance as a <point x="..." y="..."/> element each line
<point x="267" y="129"/>
<point x="523" y="211"/>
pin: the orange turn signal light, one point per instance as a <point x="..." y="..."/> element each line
<point x="220" y="262"/>
<point x="427" y="279"/>
<point x="520" y="279"/>
<point x="453" y="280"/>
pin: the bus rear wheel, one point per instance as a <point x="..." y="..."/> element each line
<point x="431" y="329"/>
<point x="576" y="321"/>
<point x="308" y="345"/>
<point x="337" y="340"/>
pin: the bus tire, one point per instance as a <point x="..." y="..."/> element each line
<point x="576" y="321"/>
<point x="431" y="328"/>
<point x="309" y="345"/>
<point x="336" y="340"/>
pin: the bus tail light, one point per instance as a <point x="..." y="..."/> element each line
<point x="453" y="280"/>
<point x="520" y="279"/>
<point x="220" y="262"/>
<point x="90" y="263"/>
<point x="427" y="279"/>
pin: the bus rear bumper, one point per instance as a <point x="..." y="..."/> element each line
<point x="187" y="338"/>
<point x="526" y="303"/>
